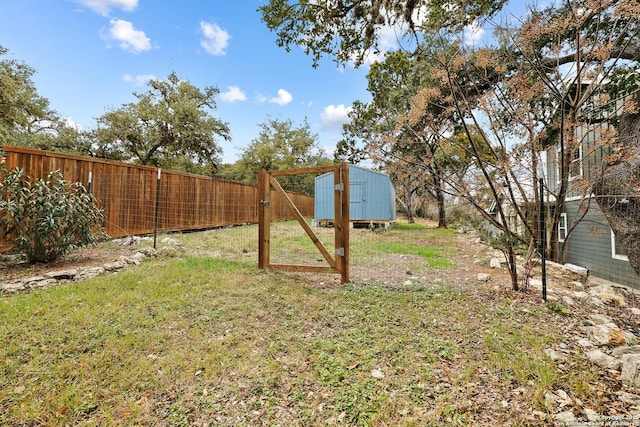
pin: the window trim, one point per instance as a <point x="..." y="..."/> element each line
<point x="576" y="163"/>
<point x="615" y="255"/>
<point x="563" y="227"/>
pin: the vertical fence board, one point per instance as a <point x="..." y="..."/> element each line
<point x="127" y="194"/>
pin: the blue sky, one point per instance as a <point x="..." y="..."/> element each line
<point x="91" y="55"/>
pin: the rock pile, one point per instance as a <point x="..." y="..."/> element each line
<point x="53" y="278"/>
<point x="604" y="343"/>
<point x="611" y="348"/>
<point x="600" y="339"/>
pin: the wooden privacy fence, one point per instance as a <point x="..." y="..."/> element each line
<point x="138" y="199"/>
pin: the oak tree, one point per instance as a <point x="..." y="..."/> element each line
<point x="171" y="126"/>
<point x="280" y="144"/>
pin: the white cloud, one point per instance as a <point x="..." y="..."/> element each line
<point x="233" y="94"/>
<point x="334" y="116"/>
<point x="283" y="98"/>
<point x="215" y="40"/>
<point x="260" y="98"/>
<point x="70" y="123"/>
<point x="103" y="7"/>
<point x="128" y="37"/>
<point x="473" y="33"/>
<point x="140" y="79"/>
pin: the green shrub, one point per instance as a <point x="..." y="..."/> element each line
<point x="46" y="218"/>
<point x="463" y="216"/>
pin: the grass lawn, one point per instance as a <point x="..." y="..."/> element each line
<point x="208" y="339"/>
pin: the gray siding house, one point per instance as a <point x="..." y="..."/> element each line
<point x="591" y="244"/>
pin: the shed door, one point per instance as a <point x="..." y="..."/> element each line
<point x="357" y="200"/>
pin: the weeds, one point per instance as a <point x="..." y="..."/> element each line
<point x="206" y="338"/>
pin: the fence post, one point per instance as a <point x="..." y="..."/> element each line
<point x="155" y="217"/>
<point x="345" y="219"/>
<point x="264" y="219"/>
<point x="543" y="239"/>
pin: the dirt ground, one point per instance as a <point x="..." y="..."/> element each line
<point x="471" y="258"/>
<point x="11" y="269"/>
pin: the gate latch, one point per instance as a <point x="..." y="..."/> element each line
<point x="264" y="202"/>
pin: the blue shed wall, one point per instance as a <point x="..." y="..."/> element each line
<point x="371" y="196"/>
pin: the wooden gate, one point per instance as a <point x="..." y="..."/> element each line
<point x="337" y="262"/>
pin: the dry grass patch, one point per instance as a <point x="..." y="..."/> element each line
<point x="207" y="339"/>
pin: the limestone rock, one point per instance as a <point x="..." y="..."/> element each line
<point x="585" y="343"/>
<point x="169" y="251"/>
<point x="150" y="252"/>
<point x="592" y="415"/>
<point x="29" y="280"/>
<point x="630" y="370"/>
<point x="62" y="274"/>
<point x="484" y="277"/>
<point x="631" y="338"/>
<point x="130" y="240"/>
<point x="565" y="417"/>
<point x="606" y="335"/>
<point x="138" y="256"/>
<point x="86" y="273"/>
<point x="11" y="288"/>
<point x="580" y="295"/>
<point x="42" y="283"/>
<point x="622" y="350"/>
<point x="114" y="266"/>
<point x="535" y="283"/>
<point x="630" y="398"/>
<point x="608" y="295"/>
<point x="170" y="241"/>
<point x="600" y="319"/>
<point x="559" y="398"/>
<point x="495" y="263"/>
<point x="602" y="359"/>
<point x="377" y="373"/>
<point x="577" y="285"/>
<point x="569" y="272"/>
<point x="596" y="302"/>
<point x="553" y="355"/>
<point x="576" y="269"/>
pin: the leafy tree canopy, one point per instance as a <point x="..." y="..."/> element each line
<point x="348" y="29"/>
<point x="25" y="117"/>
<point x="170" y="126"/>
<point x="280" y="145"/>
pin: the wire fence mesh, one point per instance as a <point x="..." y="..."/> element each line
<point x="141" y="200"/>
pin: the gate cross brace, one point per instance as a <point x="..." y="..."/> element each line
<point x="298" y="215"/>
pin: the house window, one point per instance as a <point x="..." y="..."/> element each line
<point x="617" y="251"/>
<point x="575" y="168"/>
<point x="562" y="227"/>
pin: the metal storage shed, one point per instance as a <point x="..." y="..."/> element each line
<point x="372" y="198"/>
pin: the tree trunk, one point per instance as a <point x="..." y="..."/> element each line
<point x="438" y="192"/>
<point x="442" y="213"/>
<point x="410" y="216"/>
